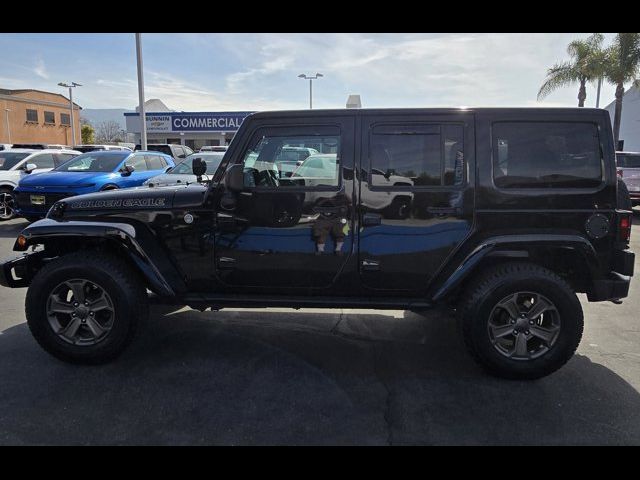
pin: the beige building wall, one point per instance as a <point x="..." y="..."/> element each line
<point x="14" y="127"/>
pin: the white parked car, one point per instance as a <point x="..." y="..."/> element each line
<point x="92" y="148"/>
<point x="15" y="163"/>
<point x="5" y="146"/>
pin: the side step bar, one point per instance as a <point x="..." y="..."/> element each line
<point x="219" y="301"/>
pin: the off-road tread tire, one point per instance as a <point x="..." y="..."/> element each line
<point x="497" y="282"/>
<point x="123" y="284"/>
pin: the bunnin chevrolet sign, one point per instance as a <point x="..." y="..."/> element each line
<point x="193" y="122"/>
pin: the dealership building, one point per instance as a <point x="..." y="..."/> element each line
<point x="193" y="129"/>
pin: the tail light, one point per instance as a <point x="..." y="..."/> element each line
<point x="624" y="227"/>
<point x="620" y="172"/>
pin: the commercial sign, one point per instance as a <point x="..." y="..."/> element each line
<point x="194" y="122"/>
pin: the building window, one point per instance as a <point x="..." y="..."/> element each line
<point x="32" y="115"/>
<point x="65" y="119"/>
<point x="50" y="118"/>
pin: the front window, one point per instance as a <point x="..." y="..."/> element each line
<point x="274" y="159"/>
<point x="93" y="162"/>
<point x="9" y="160"/>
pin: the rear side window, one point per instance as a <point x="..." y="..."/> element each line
<point x="416" y="155"/>
<point x="138" y="162"/>
<point x="628" y="161"/>
<point x="156" y="162"/>
<point x="546" y="155"/>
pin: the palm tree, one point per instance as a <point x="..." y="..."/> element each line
<point x="586" y="65"/>
<point x="622" y="63"/>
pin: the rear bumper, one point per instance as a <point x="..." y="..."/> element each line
<point x="613" y="287"/>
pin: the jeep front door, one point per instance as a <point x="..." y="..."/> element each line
<point x="289" y="230"/>
<point x="415" y="197"/>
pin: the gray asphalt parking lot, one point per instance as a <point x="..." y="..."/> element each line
<point x="280" y="376"/>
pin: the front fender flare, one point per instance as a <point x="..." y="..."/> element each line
<point x="124" y="234"/>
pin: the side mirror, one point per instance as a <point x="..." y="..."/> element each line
<point x="234" y="178"/>
<point x="127" y="170"/>
<point x="199" y="167"/>
<point x="168" y="169"/>
<point x="30" y="167"/>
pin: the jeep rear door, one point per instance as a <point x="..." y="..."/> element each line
<point x="416" y="196"/>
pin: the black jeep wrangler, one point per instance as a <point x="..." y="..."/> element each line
<point x="501" y="214"/>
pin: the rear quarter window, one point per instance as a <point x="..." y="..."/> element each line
<point x="546" y="155"/>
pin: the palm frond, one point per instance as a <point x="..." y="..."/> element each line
<point x="558" y="76"/>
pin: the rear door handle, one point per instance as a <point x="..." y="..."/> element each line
<point x="370" y="265"/>
<point x="371" y="219"/>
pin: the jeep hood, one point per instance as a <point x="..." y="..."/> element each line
<point x="131" y="199"/>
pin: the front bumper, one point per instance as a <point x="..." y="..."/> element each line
<point x="15" y="272"/>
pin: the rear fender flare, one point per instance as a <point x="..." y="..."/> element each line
<point x="516" y="246"/>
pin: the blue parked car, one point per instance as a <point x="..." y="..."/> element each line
<point x="90" y="172"/>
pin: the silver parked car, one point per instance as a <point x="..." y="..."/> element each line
<point x="628" y="166"/>
<point x="183" y="171"/>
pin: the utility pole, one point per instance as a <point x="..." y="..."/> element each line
<point x="143" y="116"/>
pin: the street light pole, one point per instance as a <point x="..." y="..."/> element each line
<point x="73" y="125"/>
<point x="598" y="95"/>
<point x="311" y="79"/>
<point x="6" y="111"/>
<point x="143" y="116"/>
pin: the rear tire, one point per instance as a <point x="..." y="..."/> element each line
<point x="507" y="342"/>
<point x="50" y="313"/>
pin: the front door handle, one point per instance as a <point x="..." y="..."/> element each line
<point x="226" y="262"/>
<point x="371" y="219"/>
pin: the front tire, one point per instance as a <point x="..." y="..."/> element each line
<point x="7" y="204"/>
<point x="84" y="308"/>
<point x="521" y="321"/>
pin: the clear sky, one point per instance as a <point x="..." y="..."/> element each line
<point x="245" y="71"/>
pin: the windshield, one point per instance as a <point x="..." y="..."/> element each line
<point x="628" y="161"/>
<point x="212" y="159"/>
<point x="11" y="159"/>
<point x="94" y="162"/>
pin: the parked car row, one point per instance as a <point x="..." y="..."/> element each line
<point x="628" y="166"/>
<point x="31" y="180"/>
